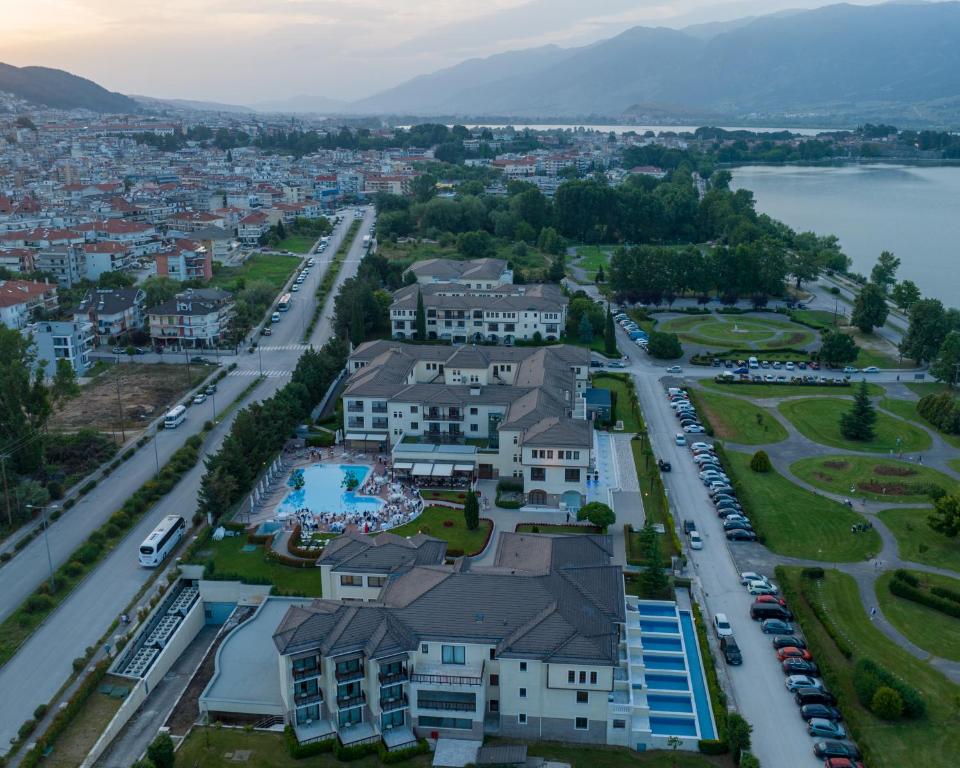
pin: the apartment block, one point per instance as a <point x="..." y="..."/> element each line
<point x="195" y="319"/>
<point x="62" y="340"/>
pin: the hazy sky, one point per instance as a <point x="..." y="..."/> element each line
<point x="250" y="51"/>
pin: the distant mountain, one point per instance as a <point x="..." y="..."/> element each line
<point x="840" y="62"/>
<point x="302" y="104"/>
<point x="59" y="89"/>
<point x="153" y="103"/>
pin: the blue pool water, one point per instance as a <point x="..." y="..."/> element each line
<point x="661" y="643"/>
<point x="323" y="490"/>
<point x="657" y="610"/>
<point x="667" y="683"/>
<point x="673" y="726"/>
<point x="670" y="703"/>
<point x="655" y="661"/>
<point x="668" y="627"/>
<point x="696" y="677"/>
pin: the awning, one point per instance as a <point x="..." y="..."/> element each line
<point x="403" y="465"/>
<point x="463" y="467"/>
<point x="355" y="436"/>
<point x="375" y="437"/>
<point x="442" y="470"/>
<point x="422" y="469"/>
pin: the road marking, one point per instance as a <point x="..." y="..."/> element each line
<point x="256" y="372"/>
<point x="285" y="347"/>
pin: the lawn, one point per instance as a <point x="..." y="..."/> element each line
<point x="273" y="269"/>
<point x="907" y="409"/>
<point x="456" y="497"/>
<point x="297" y="243"/>
<point x="622" y="388"/>
<point x="818" y="317"/>
<point x="917" y="542"/>
<point x="591" y="257"/>
<point x="932" y="630"/>
<point x="797" y="522"/>
<point x="765" y="391"/>
<point x="819" y="420"/>
<point x="875" y="479"/>
<point x="458" y="538"/>
<point x="954" y="464"/>
<point x="229" y="559"/>
<point x="747" y="332"/>
<point x="933" y="741"/>
<point x="926" y="388"/>
<point x="738" y="420"/>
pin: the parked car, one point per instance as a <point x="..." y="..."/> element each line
<point x="199" y="360"/>
<point x="201" y="398"/>
<point x="724" y="512"/>
<point x="722" y="625"/>
<point x="761" y="611"/>
<point x="596" y="364"/>
<point x="794" y="666"/>
<point x="747" y="576"/>
<point x="211" y="388"/>
<point x="842" y="762"/>
<point x="694" y="429"/>
<point x="267" y="331"/>
<point x="871" y="369"/>
<point x="696" y="542"/>
<point x="674" y="369"/>
<point x="792" y="652"/>
<point x="850" y="369"/>
<point x="730" y="650"/>
<point x="832" y="748"/>
<point x="760" y="588"/>
<point x="737" y="525"/>
<point x="795" y="682"/>
<point x="738" y="534"/>
<point x="820" y="710"/>
<point x="817" y="726"/>
<point x="616" y="364"/>
<point x="814" y="696"/>
<point x="776" y="627"/>
<point x="788" y="641"/>
<point x="771" y="599"/>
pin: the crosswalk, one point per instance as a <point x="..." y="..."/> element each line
<point x="284" y="347"/>
<point x="274" y="374"/>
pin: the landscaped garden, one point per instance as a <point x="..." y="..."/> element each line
<point x="932" y="739"/>
<point x="737" y="420"/>
<point x="907" y="409"/>
<point x="233" y="557"/>
<point x="933" y="630"/>
<point x="875" y="479"/>
<point x="590" y="258"/>
<point x="448" y="524"/>
<point x="796" y="522"/>
<point x="621" y="388"/>
<point x="819" y="420"/>
<point x="765" y="391"/>
<point x="750" y="332"/>
<point x="917" y="542"/>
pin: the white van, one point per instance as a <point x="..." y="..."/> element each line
<point x="753" y="362"/>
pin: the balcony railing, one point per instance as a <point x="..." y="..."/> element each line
<point x="355" y="408"/>
<point x="389" y="678"/>
<point x="455" y="706"/>
<point x="375" y="408"/>
<point x="446" y="679"/>
<point x="349" y="674"/>
<point x="388" y="705"/>
<point x="311" y="697"/>
<point x="299" y="674"/>
<point x="349" y="702"/>
<point x="440" y="416"/>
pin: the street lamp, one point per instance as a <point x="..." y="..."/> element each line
<point x="260" y="355"/>
<point x="46" y="540"/>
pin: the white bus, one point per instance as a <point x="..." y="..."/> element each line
<point x="175" y="417"/>
<point x="284" y="304"/>
<point x="163" y="539"/>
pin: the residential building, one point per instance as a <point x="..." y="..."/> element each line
<point x="485" y="411"/>
<point x="104" y="257"/>
<point x="113" y="312"/>
<point x="17" y="259"/>
<point x="475" y="273"/>
<point x="195" y="319"/>
<point x="216" y="240"/>
<point x="185" y="260"/>
<point x="502" y="314"/>
<point x="67" y="263"/>
<point x="62" y="340"/>
<point x="252" y="227"/>
<point x="19" y="298"/>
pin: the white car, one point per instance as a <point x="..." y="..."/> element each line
<point x="871" y="369"/>
<point x="694" y="429"/>
<point x="201" y="398"/>
<point x="722" y="625"/>
<point x="674" y="369"/>
<point x="762" y="587"/>
<point x="695" y="541"/>
<point x="702" y="446"/>
<point x="747" y="576"/>
<point x="680" y="439"/>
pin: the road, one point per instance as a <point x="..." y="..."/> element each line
<point x="83" y="618"/>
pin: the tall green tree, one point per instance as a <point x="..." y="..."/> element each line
<point x="905" y="294"/>
<point x="281" y="230"/>
<point x="421" y="320"/>
<point x="159" y="290"/>
<point x="24" y="402"/>
<point x="837" y="349"/>
<point x="946" y="366"/>
<point x="64" y="384"/>
<point x="858" y="422"/>
<point x="598" y="514"/>
<point x="609" y="334"/>
<point x="557" y="269"/>
<point x="870" y="308"/>
<point x="585" y="331"/>
<point x="926" y="332"/>
<point x="884" y="272"/>
<point x="945" y="517"/>
<point x="654" y="578"/>
<point x="160" y="751"/>
<point x="471" y="511"/>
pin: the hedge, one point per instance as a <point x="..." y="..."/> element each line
<point x="868" y="677"/>
<point x="399" y="755"/>
<point x="906" y="590"/>
<point x="299" y="751"/>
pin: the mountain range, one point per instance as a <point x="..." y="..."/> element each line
<point x="59" y="89"/>
<point x="836" y="61"/>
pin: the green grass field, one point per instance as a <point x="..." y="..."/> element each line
<point x="917" y="542"/>
<point x="818" y="317"/>
<point x="875" y="479"/>
<point x="932" y="630"/>
<point x="738" y="331"/>
<point x="932" y="741"/>
<point x="738" y="420"/>
<point x="954" y="464"/>
<point x="229" y="558"/>
<point x="431" y="522"/>
<point x="926" y="387"/>
<point x="591" y="257"/>
<point x="297" y="243"/>
<point x="272" y="269"/>
<point x="624" y="411"/>
<point x="907" y="409"/>
<point x="784" y="390"/>
<point x="797" y="522"/>
<point x="819" y="420"/>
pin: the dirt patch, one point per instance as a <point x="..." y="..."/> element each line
<point x="823" y="477"/>
<point x="145" y="391"/>
<point x="885" y="470"/>
<point x="836" y="464"/>
<point x="795" y="339"/>
<point x="892" y="489"/>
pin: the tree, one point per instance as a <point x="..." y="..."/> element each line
<point x="945" y="517"/>
<point x="804" y="265"/>
<point x="585" y="331"/>
<point x="760" y="462"/>
<point x="738" y="734"/>
<point x="160" y="751"/>
<point x="653" y="578"/>
<point x="885" y="270"/>
<point x="159" y="290"/>
<point x="217" y="490"/>
<point x="421" y="322"/>
<point x="598" y="514"/>
<point x="600" y="276"/>
<point x="281" y="230"/>
<point x="609" y="334"/>
<point x="837" y="349"/>
<point x="549" y="241"/>
<point x="471" y="511"/>
<point x="557" y="269"/>
<point x="857" y="423"/>
<point x="115" y="280"/>
<point x="870" y="308"/>
<point x="905" y="294"/>
<point x="64" y="384"/>
<point x="476" y="245"/>
<point x="25" y="404"/>
<point x="946" y="366"/>
<point x="926" y="332"/>
<point x="664" y="346"/>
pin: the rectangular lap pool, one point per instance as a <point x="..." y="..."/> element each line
<point x="673" y="726"/>
<point x="667" y="627"/>
<point x="325" y="490"/>
<point x="656" y="661"/>
<point x="669" y="703"/>
<point x="667" y="683"/>
<point x="661" y="643"/>
<point x="707" y="730"/>
<point x="657" y="610"/>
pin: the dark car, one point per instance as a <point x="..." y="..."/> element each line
<point x="689" y="525"/>
<point x="665" y="466"/>
<point x="760" y="611"/>
<point x="808" y="711"/>
<point x="731" y="651"/>
<point x="717" y="362"/>
<point x="139" y="351"/>
<point x="788" y="641"/>
<point x="834" y="748"/>
<point x="814" y="696"/>
<point x="720" y="490"/>
<point x="596" y="364"/>
<point x="724" y="512"/>
<point x="775" y="627"/>
<point x="738" y="534"/>
<point x="737" y="525"/>
<point x="720" y="498"/>
<point x="799" y="667"/>
<point x="199" y="360"/>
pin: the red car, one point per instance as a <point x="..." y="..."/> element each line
<point x="792" y="652"/>
<point x="770" y="599"/>
<point x="841" y="762"/>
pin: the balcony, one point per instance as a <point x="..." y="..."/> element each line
<point x="355" y="408"/>
<point x="349" y="702"/>
<point x="392" y="677"/>
<point x="346" y="676"/>
<point x="449" y="706"/>
<point x="379" y="408"/>
<point x="444" y="675"/>
<point x="389" y="705"/>
<point x="434" y="415"/>
<point x="312" y="697"/>
<point x="305" y="672"/>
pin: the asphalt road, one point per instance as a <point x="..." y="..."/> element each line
<point x="83" y="618"/>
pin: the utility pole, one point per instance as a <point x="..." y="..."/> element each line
<point x="46" y="541"/>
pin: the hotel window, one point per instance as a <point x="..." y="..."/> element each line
<point x="522" y="718"/>
<point x="453" y="654"/>
<point x="571" y="475"/>
<point x="376" y="581"/>
<point x="351" y="581"/>
<point x="494" y="679"/>
<point x="571" y="676"/>
<point x="523" y="693"/>
<point x="523" y="666"/>
<point x="619" y="724"/>
<point x="414" y="408"/>
<point x="580" y="723"/>
<point x="583" y="677"/>
<point x="583" y="697"/>
<point x="538" y="474"/>
<point x="593" y="678"/>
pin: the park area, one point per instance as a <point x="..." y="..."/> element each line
<point x="738" y="331"/>
<point x="140" y="393"/>
<point x="272" y="269"/>
<point x="862" y="477"/>
<point x="936" y="632"/>
<point x="528" y="259"/>
<point x="738" y="420"/>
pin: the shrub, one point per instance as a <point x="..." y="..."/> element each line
<point x="399" y="755"/>
<point x="38" y="604"/>
<point x="40" y="711"/>
<point x="5" y="556"/>
<point x="69" y="503"/>
<point x="26" y="729"/>
<point x="79" y="663"/>
<point x="887" y="704"/>
<point x="160" y="751"/>
<point x="89" y="552"/>
<point x="760" y="462"/>
<point x="749" y="760"/>
<point x="906" y="576"/>
<point x="713" y="747"/>
<point x="73" y="569"/>
<point x="55" y="489"/>
<point x="868" y="672"/>
<point x="87" y="487"/>
<point x="208" y="425"/>
<point x="815" y="573"/>
<point x="299" y="751"/>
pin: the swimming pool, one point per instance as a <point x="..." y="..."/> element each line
<point x="667" y="683"/>
<point x="323" y="490"/>
<point x="670" y="703"/>
<point x="673" y="726"/>
<point x="646" y="609"/>
<point x="661" y="643"/>
<point x="668" y="627"/>
<point x="656" y="661"/>
<point x="696" y="677"/>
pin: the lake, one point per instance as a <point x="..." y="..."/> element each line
<point x="910" y="210"/>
